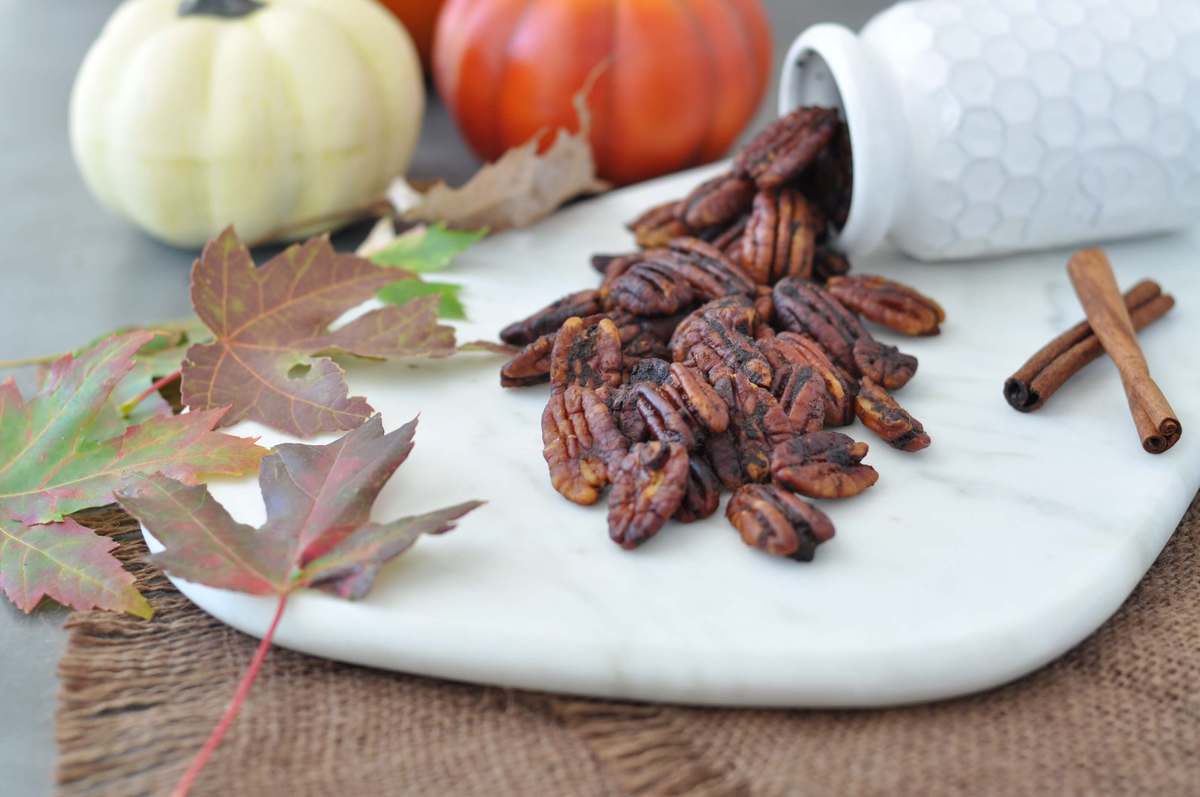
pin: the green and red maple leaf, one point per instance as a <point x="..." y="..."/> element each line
<point x="318" y="530"/>
<point x="272" y="332"/>
<point x="67" y="448"/>
<point x="318" y="533"/>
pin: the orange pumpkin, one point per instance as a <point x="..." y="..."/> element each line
<point x="419" y="17"/>
<point x="683" y="79"/>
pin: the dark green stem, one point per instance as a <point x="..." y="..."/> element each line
<point x="231" y="9"/>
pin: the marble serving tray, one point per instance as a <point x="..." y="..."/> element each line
<point x="968" y="565"/>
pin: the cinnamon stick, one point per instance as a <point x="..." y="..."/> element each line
<point x="1049" y="369"/>
<point x="1092" y="276"/>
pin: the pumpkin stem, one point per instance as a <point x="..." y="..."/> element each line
<point x="231" y="9"/>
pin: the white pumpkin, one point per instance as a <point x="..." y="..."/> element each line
<point x="186" y="118"/>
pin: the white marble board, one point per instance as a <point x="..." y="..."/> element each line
<point x="969" y="564"/>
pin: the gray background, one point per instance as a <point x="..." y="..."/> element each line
<point x="69" y="272"/>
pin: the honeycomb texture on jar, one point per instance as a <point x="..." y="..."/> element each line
<point x="1038" y="122"/>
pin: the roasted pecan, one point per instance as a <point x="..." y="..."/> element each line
<point x="729" y="240"/>
<point x="651" y="286"/>
<point x="530" y="366"/>
<point x="778" y="522"/>
<point x="829" y="263"/>
<point x="756" y="425"/>
<point x="622" y="402"/>
<point x="891" y="304"/>
<point x="586" y="354"/>
<point x="885" y="364"/>
<point x="601" y="262"/>
<point x="764" y="307"/>
<point x="643" y="336"/>
<point x="700" y="398"/>
<point x="880" y="413"/>
<point x="551" y="317"/>
<point x="822" y="465"/>
<point x="710" y="273"/>
<point x="615" y="266"/>
<point x="680" y="408"/>
<point x="581" y="443"/>
<point x="781" y="236"/>
<point x="703" y="494"/>
<point x="795" y="349"/>
<point x="831" y="179"/>
<point x="787" y="146"/>
<point x="716" y="202"/>
<point x="808" y="308"/>
<point x="710" y="344"/>
<point x="802" y="395"/>
<point x="736" y="312"/>
<point x="648" y="488"/>
<point x="658" y="225"/>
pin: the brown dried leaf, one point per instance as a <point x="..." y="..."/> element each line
<point x="520" y="188"/>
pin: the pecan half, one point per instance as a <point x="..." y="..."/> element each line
<point x="530" y="366"/>
<point x="891" y="304"/>
<point x="764" y="306"/>
<point x="710" y="273"/>
<point x="680" y="407"/>
<point x="729" y="240"/>
<point x="651" y="286"/>
<point x="736" y="312"/>
<point x="885" y="364"/>
<point x="829" y="263"/>
<point x="703" y="495"/>
<point x="808" y="308"/>
<point x="823" y="465"/>
<point x="778" y="522"/>
<point x="581" y="443"/>
<point x="586" y="354"/>
<point x="880" y="413"/>
<point x="756" y="425"/>
<point x="701" y="398"/>
<point x="648" y="488"/>
<point x="622" y="402"/>
<point x="713" y="346"/>
<point x="716" y="202"/>
<point x="658" y="225"/>
<point x="802" y="395"/>
<point x="551" y="317"/>
<point x="830" y="180"/>
<point x="781" y="236"/>
<point x="643" y="336"/>
<point x="787" y="146"/>
<point x="790" y="348"/>
<point x="615" y="266"/>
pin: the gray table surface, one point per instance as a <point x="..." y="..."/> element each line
<point x="73" y="272"/>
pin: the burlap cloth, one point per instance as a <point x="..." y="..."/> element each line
<point x="1118" y="715"/>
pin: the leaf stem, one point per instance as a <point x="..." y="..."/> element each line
<point x="239" y="697"/>
<point x="128" y="407"/>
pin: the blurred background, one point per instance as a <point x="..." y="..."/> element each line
<point x="72" y="271"/>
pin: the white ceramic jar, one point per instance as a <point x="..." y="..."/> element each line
<point x="981" y="127"/>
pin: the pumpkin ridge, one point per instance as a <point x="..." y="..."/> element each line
<point x="497" y="131"/>
<point x="697" y="155"/>
<point x="287" y="79"/>
<point x="601" y="154"/>
<point x="372" y="68"/>
<point x="736" y="13"/>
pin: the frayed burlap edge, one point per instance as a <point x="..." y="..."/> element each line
<point x="137" y="700"/>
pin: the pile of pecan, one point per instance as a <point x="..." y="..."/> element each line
<point x="720" y="354"/>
